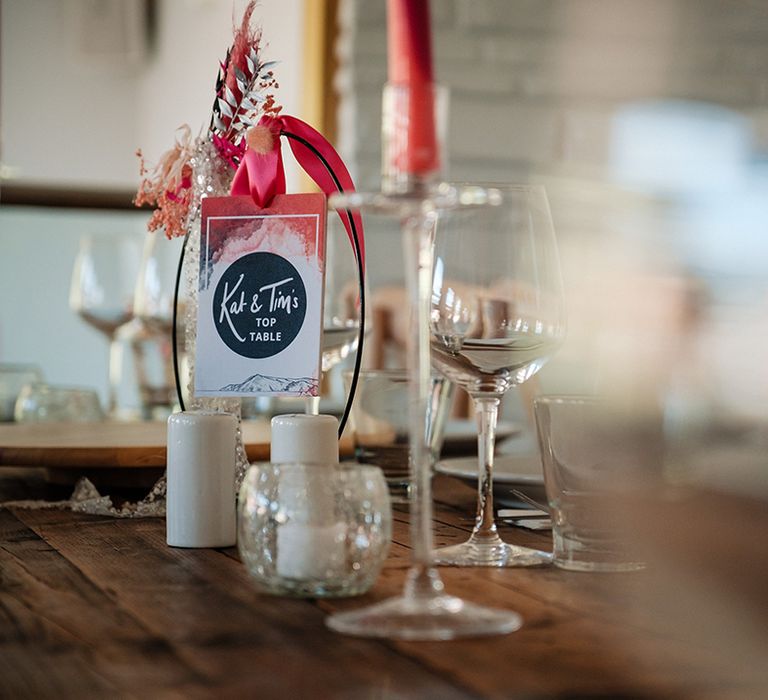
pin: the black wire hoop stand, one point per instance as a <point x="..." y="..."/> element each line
<point x="361" y="288"/>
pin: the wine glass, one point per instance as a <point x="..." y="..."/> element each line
<point x="497" y="315"/>
<point x="153" y="304"/>
<point x="101" y="293"/>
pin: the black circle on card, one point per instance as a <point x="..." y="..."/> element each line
<point x="259" y="305"/>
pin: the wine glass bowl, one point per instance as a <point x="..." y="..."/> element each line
<point x="341" y="304"/>
<point x="496" y="317"/>
<point x="497" y="351"/>
<point x="154" y="293"/>
<point x="102" y="286"/>
<point x="341" y="308"/>
<point x="153" y="344"/>
<point x="341" y="322"/>
<point x="102" y="291"/>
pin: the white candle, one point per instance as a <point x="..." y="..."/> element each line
<point x="200" y="503"/>
<point x="311" y="543"/>
<point x="299" y="438"/>
<point x="310" y="551"/>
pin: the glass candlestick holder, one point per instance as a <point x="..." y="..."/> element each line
<point x="412" y="133"/>
<point x="424" y="611"/>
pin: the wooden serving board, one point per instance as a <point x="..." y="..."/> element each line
<point x="109" y="445"/>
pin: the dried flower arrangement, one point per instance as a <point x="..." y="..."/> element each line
<point x="244" y="88"/>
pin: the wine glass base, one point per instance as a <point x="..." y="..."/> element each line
<point x="498" y="554"/>
<point x="428" y="619"/>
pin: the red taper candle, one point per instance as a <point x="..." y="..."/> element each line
<point x="409" y="43"/>
<point x="409" y="48"/>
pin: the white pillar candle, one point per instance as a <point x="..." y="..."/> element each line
<point x="200" y="502"/>
<point x="300" y="438"/>
<point x="311" y="543"/>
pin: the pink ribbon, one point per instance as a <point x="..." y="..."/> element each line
<point x="262" y="175"/>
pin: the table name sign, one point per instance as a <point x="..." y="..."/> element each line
<point x="260" y="296"/>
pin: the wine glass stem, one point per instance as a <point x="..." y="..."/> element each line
<point x="486" y="412"/>
<point x="115" y="368"/>
<point x="423" y="579"/>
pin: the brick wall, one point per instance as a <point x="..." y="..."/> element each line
<point x="535" y="84"/>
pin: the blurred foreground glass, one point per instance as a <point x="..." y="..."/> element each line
<point x="595" y="456"/>
<point x="102" y="291"/>
<point x="43" y="403"/>
<point x="380" y="425"/>
<point x="13" y="377"/>
<point x="314" y="530"/>
<point x="497" y="316"/>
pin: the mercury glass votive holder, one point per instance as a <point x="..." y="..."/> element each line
<point x="314" y="530"/>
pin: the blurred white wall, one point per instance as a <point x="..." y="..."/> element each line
<point x="84" y="85"/>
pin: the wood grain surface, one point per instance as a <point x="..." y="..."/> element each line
<point x="93" y="607"/>
<point x="110" y="444"/>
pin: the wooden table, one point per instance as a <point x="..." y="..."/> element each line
<point x="95" y="607"/>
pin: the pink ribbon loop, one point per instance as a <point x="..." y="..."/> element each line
<point x="262" y="175"/>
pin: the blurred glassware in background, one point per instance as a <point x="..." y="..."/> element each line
<point x="151" y="341"/>
<point x="13" y="378"/>
<point x="381" y="428"/>
<point x="341" y="310"/>
<point x="148" y="388"/>
<point x="341" y="307"/>
<point x="102" y="291"/>
<point x="45" y="403"/>
<point x="155" y="283"/>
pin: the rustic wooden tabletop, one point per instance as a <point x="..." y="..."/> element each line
<point x="98" y="607"/>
